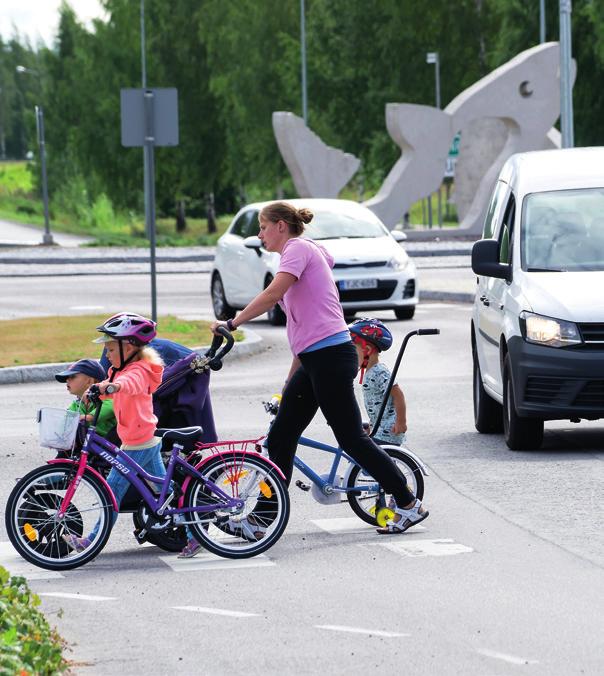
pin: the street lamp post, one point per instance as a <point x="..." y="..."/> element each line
<point x="47" y="236"/>
<point x="433" y="57"/>
<point x="303" y="60"/>
<point x="541" y="21"/>
<point x="566" y="91"/>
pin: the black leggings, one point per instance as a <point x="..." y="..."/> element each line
<point x="326" y="381"/>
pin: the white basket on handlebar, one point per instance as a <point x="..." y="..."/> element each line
<point x="58" y="427"/>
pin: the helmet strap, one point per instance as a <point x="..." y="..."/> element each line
<point x="367" y="350"/>
<point x="123" y="362"/>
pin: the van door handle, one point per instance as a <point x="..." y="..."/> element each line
<point x="485" y="300"/>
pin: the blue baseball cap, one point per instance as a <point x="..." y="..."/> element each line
<point x="89" y="367"/>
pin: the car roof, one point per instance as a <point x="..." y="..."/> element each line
<point x="317" y="204"/>
<point x="559" y="169"/>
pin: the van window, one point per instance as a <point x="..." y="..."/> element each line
<point x="494" y="209"/>
<point x="563" y="230"/>
<point x="507" y="228"/>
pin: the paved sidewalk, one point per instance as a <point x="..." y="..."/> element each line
<point x="17" y="235"/>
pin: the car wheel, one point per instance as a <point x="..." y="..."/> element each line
<point x="405" y="312"/>
<point x="222" y="310"/>
<point x="349" y="317"/>
<point x="488" y="413"/>
<point x="275" y="316"/>
<point x="520" y="433"/>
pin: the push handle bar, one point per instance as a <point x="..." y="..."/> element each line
<point x="428" y="332"/>
<point x="215" y="362"/>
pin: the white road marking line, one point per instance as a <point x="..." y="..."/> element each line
<point x="15" y="565"/>
<point x="78" y="597"/>
<point x="215" y="611"/>
<point x="348" y="524"/>
<point x="511" y="659"/>
<point x="416" y="548"/>
<point x="212" y="562"/>
<point x="358" y="630"/>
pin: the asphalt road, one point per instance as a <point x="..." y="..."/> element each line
<point x="504" y="577"/>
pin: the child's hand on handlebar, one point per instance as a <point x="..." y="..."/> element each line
<point x="104" y="384"/>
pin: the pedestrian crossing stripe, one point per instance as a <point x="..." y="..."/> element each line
<point x="350" y="524"/>
<point x="210" y="561"/>
<point x="419" y="548"/>
<point x="18" y="566"/>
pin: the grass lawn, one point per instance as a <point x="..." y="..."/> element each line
<point x="42" y="340"/>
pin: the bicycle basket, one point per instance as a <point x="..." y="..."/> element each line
<point x="58" y="427"/>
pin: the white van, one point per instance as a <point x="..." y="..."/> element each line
<point x="538" y="316"/>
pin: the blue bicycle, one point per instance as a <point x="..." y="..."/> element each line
<point x="354" y="485"/>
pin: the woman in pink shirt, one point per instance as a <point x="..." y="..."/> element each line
<point x="325" y="361"/>
<point x="135" y="373"/>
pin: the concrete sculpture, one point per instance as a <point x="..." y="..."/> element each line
<point x="318" y="170"/>
<point x="520" y="101"/>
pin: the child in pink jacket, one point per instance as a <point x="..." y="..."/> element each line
<point x="135" y="373"/>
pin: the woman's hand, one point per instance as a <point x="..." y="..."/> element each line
<point x="214" y="326"/>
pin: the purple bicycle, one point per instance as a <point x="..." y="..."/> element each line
<point x="213" y="497"/>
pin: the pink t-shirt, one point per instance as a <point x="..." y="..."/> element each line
<point x="312" y="303"/>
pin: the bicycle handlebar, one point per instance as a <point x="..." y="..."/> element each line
<point x="428" y="332"/>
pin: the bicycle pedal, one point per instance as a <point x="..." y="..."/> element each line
<point x="140" y="535"/>
<point x="302" y="486"/>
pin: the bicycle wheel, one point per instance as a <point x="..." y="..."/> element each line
<point x="365" y="504"/>
<point x="258" y="484"/>
<point x="34" y="529"/>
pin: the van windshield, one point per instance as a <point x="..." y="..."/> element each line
<point x="563" y="230"/>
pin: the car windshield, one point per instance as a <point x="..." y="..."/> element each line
<point x="563" y="230"/>
<point x="330" y="225"/>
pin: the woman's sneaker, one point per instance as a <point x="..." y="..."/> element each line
<point x="191" y="548"/>
<point x="76" y="543"/>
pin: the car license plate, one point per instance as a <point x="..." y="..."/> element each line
<point x="348" y="284"/>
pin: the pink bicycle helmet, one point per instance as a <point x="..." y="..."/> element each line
<point x="128" y="326"/>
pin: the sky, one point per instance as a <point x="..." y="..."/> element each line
<point x="38" y="19"/>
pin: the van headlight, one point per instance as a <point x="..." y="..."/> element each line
<point x="547" y="331"/>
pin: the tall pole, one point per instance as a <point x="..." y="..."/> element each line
<point x="437" y="74"/>
<point x="47" y="237"/>
<point x="541" y="21"/>
<point x="149" y="168"/>
<point x="303" y="59"/>
<point x="566" y="94"/>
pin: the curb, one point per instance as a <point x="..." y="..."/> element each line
<point x="38" y="373"/>
<point x="91" y="260"/>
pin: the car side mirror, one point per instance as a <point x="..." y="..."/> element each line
<point x="398" y="235"/>
<point x="255" y="243"/>
<point x="485" y="260"/>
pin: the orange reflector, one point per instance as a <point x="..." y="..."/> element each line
<point x="265" y="489"/>
<point x="235" y="477"/>
<point x="30" y="532"/>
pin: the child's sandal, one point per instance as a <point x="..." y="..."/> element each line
<point x="408" y="518"/>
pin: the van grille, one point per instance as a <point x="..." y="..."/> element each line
<point x="542" y="390"/>
<point x="593" y="334"/>
<point x="591" y="395"/>
<point x="565" y="392"/>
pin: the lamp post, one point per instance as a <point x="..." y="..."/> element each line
<point x="47" y="236"/>
<point x="303" y="60"/>
<point x="566" y="91"/>
<point x="433" y="57"/>
<point x="541" y="21"/>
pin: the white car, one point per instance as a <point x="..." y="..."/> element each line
<point x="538" y="317"/>
<point x="372" y="270"/>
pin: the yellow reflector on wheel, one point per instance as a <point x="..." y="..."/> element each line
<point x="265" y="489"/>
<point x="30" y="532"/>
<point x="384" y="515"/>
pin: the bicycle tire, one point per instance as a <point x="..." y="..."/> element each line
<point x="35" y="535"/>
<point x="367" y="513"/>
<point x="260" y="475"/>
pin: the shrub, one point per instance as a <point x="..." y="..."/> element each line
<point x="27" y="643"/>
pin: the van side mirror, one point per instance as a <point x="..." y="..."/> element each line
<point x="485" y="260"/>
<point x="253" y="242"/>
<point x="398" y="235"/>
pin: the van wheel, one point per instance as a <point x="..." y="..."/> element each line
<point x="222" y="310"/>
<point x="521" y="434"/>
<point x="488" y="413"/>
<point x="275" y="316"/>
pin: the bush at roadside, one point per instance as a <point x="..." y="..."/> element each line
<point x="28" y="645"/>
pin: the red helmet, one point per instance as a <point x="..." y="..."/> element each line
<point x="371" y="331"/>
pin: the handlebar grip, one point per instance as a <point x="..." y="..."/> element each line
<point x="428" y="332"/>
<point x="110" y="389"/>
<point x="215" y="362"/>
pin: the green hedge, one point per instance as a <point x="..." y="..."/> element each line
<point x="27" y="643"/>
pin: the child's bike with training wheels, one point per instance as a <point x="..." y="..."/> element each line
<point x="211" y="497"/>
<point x="353" y="484"/>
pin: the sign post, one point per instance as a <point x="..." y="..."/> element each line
<point x="149" y="119"/>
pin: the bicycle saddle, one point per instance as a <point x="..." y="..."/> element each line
<point x="179" y="434"/>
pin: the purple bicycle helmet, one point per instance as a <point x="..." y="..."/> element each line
<point x="128" y="326"/>
<point x="371" y="331"/>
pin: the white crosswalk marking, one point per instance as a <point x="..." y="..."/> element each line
<point x="350" y="524"/>
<point x="212" y="562"/>
<point x="78" y="597"/>
<point x="215" y="611"/>
<point x="358" y="630"/>
<point x="510" y="659"/>
<point x="415" y="548"/>
<point x="16" y="565"/>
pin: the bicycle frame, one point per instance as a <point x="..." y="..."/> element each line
<point x="137" y="477"/>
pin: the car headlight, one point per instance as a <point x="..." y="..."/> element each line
<point x="547" y="331"/>
<point x="398" y="262"/>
